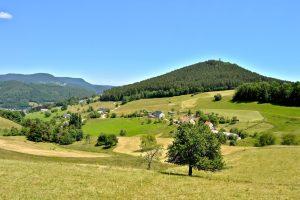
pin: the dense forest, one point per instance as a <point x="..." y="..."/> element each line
<point x="201" y="77"/>
<point x="264" y="92"/>
<point x="15" y="94"/>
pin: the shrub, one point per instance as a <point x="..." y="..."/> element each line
<point x="222" y="120"/>
<point x="234" y="120"/>
<point x="101" y="139"/>
<point x="123" y="132"/>
<point x="107" y="141"/>
<point x="90" y="109"/>
<point x="266" y="139"/>
<point x="221" y="137"/>
<point x="218" y="97"/>
<point x="94" y="115"/>
<point x="232" y="142"/>
<point x="289" y="139"/>
<point x="47" y="114"/>
<point x="113" y="115"/>
<point x="66" y="138"/>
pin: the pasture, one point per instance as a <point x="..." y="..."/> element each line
<point x="133" y="126"/>
<point x="249" y="172"/>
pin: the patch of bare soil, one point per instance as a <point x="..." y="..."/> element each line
<point x="44" y="149"/>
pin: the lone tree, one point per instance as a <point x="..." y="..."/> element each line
<point x="197" y="147"/>
<point x="152" y="150"/>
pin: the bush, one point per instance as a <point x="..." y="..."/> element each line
<point x="234" y="120"/>
<point x="47" y="114"/>
<point x="94" y="115"/>
<point x="101" y="139"/>
<point x="289" y="139"/>
<point x="123" y="132"/>
<point x="266" y="139"/>
<point x="232" y="142"/>
<point x="107" y="141"/>
<point x="218" y="97"/>
<point x="221" y="137"/>
<point x="113" y="115"/>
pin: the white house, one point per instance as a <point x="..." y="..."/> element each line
<point x="157" y="114"/>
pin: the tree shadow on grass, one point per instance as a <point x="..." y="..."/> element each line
<point x="179" y="174"/>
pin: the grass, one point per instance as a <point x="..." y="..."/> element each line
<point x="133" y="126"/>
<point x="41" y="115"/>
<point x="253" y="173"/>
<point x="7" y="124"/>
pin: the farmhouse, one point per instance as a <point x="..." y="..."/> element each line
<point x="157" y="114"/>
<point x="44" y="110"/>
<point x="103" y="111"/>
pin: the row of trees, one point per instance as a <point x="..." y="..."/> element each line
<point x="264" y="92"/>
<point x="16" y="116"/>
<point x="63" y="133"/>
<point x="201" y="77"/>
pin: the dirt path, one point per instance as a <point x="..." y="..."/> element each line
<point x="43" y="149"/>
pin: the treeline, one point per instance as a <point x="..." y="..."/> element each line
<point x="56" y="131"/>
<point x="16" y="116"/>
<point x="264" y="92"/>
<point x="201" y="77"/>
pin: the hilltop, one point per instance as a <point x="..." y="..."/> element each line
<point x="205" y="76"/>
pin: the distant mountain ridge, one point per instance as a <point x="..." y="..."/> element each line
<point x="211" y="75"/>
<point x="44" y="78"/>
<point x="17" y="90"/>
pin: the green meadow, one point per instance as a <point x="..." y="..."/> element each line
<point x="133" y="126"/>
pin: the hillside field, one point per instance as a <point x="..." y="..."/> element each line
<point x="7" y="124"/>
<point x="253" y="172"/>
<point x="253" y="116"/>
<point x="133" y="126"/>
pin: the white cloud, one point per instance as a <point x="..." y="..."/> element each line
<point x="5" y="15"/>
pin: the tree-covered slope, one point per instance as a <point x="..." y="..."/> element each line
<point x="201" y="77"/>
<point x="43" y="78"/>
<point x="15" y="94"/>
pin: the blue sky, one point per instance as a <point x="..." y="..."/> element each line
<point x="118" y="42"/>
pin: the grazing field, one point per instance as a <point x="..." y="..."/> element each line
<point x="133" y="126"/>
<point x="256" y="173"/>
<point x="7" y="124"/>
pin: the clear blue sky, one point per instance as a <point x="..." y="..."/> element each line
<point x="118" y="42"/>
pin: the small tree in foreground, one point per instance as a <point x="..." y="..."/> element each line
<point x="152" y="150"/>
<point x="197" y="147"/>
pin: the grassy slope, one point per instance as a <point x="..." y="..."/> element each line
<point x="278" y="119"/>
<point x="252" y="173"/>
<point x="7" y="124"/>
<point x="132" y="126"/>
<point x="41" y="115"/>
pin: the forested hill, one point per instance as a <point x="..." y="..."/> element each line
<point x="44" y="78"/>
<point x="17" y="95"/>
<point x="201" y="77"/>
